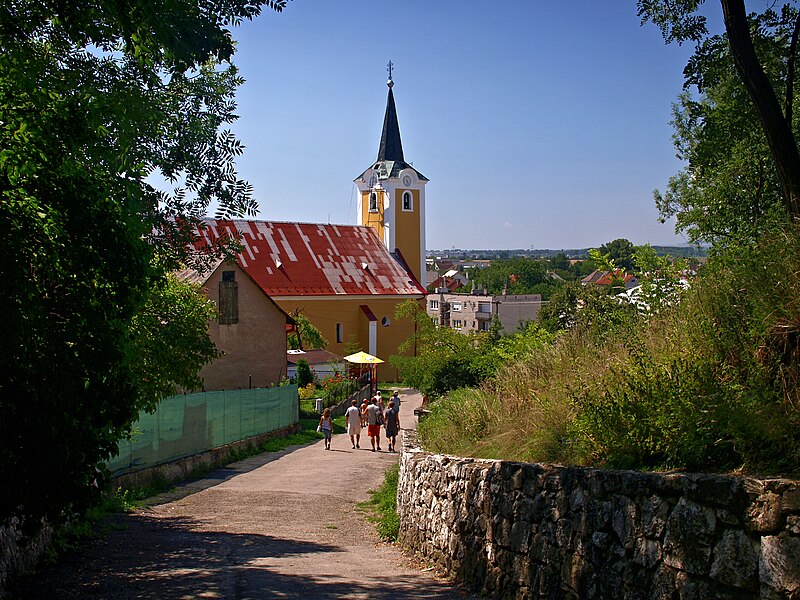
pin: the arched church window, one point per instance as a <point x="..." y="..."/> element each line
<point x="408" y="201"/>
<point x="373" y="202"/>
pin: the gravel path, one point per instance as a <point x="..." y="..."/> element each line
<point x="278" y="525"/>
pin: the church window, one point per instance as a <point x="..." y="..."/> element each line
<point x="373" y="202"/>
<point x="408" y="201"/>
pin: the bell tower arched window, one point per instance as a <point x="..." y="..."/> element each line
<point x="408" y="201"/>
<point x="373" y="202"/>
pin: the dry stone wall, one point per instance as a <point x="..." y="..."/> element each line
<point x="514" y="530"/>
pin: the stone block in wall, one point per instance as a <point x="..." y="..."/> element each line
<point x="647" y="552"/>
<point x="735" y="561"/>
<point x="779" y="563"/>
<point x="689" y="537"/>
<point x="655" y="512"/>
<point x="764" y="513"/>
<point x="625" y="520"/>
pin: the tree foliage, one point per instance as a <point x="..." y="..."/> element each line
<point x="307" y="336"/>
<point x="171" y="336"/>
<point x="729" y="189"/>
<point x="621" y="252"/>
<point x="515" y="276"/>
<point x="448" y="359"/>
<point x="305" y="374"/>
<point x="739" y="143"/>
<point x="98" y="101"/>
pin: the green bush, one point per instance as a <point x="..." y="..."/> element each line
<point x="305" y="373"/>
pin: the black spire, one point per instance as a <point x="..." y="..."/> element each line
<point x="391" y="147"/>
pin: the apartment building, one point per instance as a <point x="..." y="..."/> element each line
<point x="475" y="312"/>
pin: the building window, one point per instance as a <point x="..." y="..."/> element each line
<point x="228" y="304"/>
<point x="434" y="304"/>
<point x="373" y="202"/>
<point x="408" y="201"/>
<point x="456" y="306"/>
<point x="339" y="333"/>
<point x="456" y="323"/>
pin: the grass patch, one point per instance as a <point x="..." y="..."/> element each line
<point x="382" y="506"/>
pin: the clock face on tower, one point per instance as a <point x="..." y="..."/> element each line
<point x="406" y="180"/>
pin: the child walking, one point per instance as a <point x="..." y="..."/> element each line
<point x="326" y="424"/>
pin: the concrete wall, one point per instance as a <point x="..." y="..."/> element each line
<point x="513" y="530"/>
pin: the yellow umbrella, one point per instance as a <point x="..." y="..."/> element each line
<point x="362" y="358"/>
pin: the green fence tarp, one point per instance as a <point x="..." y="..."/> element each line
<point x="189" y="424"/>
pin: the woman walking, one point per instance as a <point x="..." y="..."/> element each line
<point x="326" y="425"/>
<point x="392" y="425"/>
<point x="353" y="417"/>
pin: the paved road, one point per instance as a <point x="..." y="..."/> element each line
<point x="279" y="525"/>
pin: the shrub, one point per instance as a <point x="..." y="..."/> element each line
<point x="305" y="374"/>
<point x="707" y="384"/>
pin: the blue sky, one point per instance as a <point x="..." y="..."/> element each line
<point x="539" y="124"/>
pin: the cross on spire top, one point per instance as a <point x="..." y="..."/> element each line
<point x="390" y="68"/>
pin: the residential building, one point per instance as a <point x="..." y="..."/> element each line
<point x="599" y="277"/>
<point x="250" y="330"/>
<point x="473" y="312"/>
<point x="324" y="364"/>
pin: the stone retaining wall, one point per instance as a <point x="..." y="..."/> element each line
<point x="514" y="530"/>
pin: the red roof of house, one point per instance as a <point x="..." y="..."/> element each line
<point x="446" y="282"/>
<point x="310" y="259"/>
<point x="606" y="277"/>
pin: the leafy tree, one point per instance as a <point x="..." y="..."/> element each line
<point x="444" y="359"/>
<point x="516" y="276"/>
<point x="730" y="189"/>
<point x="307" y="336"/>
<point x="96" y="102"/>
<point x="621" y="252"/>
<point x="680" y="21"/>
<point x="171" y="336"/>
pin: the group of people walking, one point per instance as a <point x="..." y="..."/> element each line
<point x="372" y="415"/>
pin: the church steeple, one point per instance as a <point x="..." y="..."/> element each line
<point x="393" y="196"/>
<point x="391" y="147"/>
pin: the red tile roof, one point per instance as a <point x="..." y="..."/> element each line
<point x="446" y="282"/>
<point x="607" y="278"/>
<point x="310" y="259"/>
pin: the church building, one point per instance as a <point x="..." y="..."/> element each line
<point x="346" y="279"/>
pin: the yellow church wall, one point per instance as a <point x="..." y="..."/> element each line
<point x="372" y="219"/>
<point x="407" y="231"/>
<point x="325" y="312"/>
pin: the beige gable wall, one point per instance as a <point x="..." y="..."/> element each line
<point x="255" y="347"/>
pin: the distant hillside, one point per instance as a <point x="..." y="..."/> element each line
<point x="572" y="253"/>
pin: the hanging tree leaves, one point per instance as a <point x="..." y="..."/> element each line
<point x="100" y="102"/>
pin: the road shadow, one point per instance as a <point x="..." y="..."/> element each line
<point x="144" y="557"/>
